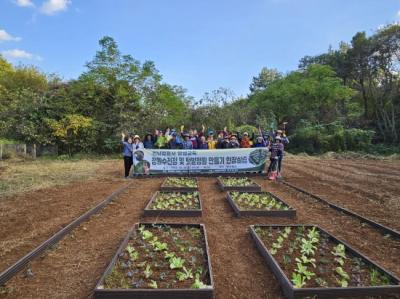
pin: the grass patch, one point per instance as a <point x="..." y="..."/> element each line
<point x="8" y="141"/>
<point x="18" y="177"/>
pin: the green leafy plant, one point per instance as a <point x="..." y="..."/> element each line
<point x="303" y="270"/>
<point x="186" y="274"/>
<point x="169" y="255"/>
<point x="133" y="254"/>
<point x="176" y="201"/>
<point x="147" y="272"/>
<point x="321" y="282"/>
<point x="153" y="284"/>
<point x="198" y="284"/>
<point x="340" y="254"/>
<point x="377" y="278"/>
<point x="307" y="247"/>
<point x="257" y="201"/>
<point x="181" y="182"/>
<point x="298" y="280"/>
<point x="233" y="181"/>
<point x="146" y="234"/>
<point x="344" y="277"/>
<point x="160" y="246"/>
<point x="305" y="260"/>
<point x="176" y="262"/>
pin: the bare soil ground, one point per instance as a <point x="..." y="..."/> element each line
<point x="72" y="269"/>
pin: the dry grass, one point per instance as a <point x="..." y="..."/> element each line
<point x="18" y="177"/>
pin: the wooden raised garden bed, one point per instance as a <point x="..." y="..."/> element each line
<point x="186" y="204"/>
<point x="259" y="204"/>
<point x="237" y="184"/>
<point x="163" y="261"/>
<point x="179" y="184"/>
<point x="309" y="262"/>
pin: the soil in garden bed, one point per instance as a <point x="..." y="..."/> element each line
<point x="149" y="257"/>
<point x="177" y="201"/>
<point x="180" y="182"/>
<point x="257" y="201"/>
<point x="361" y="274"/>
<point x="72" y="269"/>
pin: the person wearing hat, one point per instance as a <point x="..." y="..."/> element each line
<point x="233" y="142"/>
<point x="173" y="142"/>
<point x="245" y="142"/>
<point x="260" y="142"/>
<point x="282" y="135"/>
<point x="276" y="153"/>
<point x="137" y="144"/>
<point x="224" y="143"/>
<point x="127" y="152"/>
<point x="284" y="141"/>
<point x="222" y="136"/>
<point x="187" y="143"/>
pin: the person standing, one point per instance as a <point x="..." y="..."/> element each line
<point x="148" y="141"/>
<point x="284" y="140"/>
<point x="212" y="143"/>
<point x="203" y="143"/>
<point x="161" y="140"/>
<point x="276" y="153"/>
<point x="137" y="144"/>
<point x="186" y="144"/>
<point x="173" y="142"/>
<point x="245" y="142"/>
<point x="233" y="142"/>
<point x="127" y="153"/>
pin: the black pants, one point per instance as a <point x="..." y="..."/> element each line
<point x="273" y="166"/>
<point x="280" y="163"/>
<point x="128" y="164"/>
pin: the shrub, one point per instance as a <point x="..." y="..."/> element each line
<point x="316" y="139"/>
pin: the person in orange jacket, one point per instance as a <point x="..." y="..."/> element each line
<point x="245" y="142"/>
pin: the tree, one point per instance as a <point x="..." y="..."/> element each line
<point x="264" y="79"/>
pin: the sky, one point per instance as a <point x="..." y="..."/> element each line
<point x="201" y="45"/>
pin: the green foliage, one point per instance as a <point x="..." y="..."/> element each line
<point x="246" y="128"/>
<point x="343" y="100"/>
<point x="198" y="284"/>
<point x="176" y="262"/>
<point x="330" y="137"/>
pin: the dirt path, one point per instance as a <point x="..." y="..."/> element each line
<point x="73" y="268"/>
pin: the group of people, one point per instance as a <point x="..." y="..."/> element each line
<point x="274" y="140"/>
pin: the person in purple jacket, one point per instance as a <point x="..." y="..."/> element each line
<point x="127" y="153"/>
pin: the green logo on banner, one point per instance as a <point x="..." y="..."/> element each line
<point x="257" y="157"/>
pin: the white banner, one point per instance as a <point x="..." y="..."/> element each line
<point x="203" y="161"/>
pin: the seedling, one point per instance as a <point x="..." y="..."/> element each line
<point x="147" y="272"/>
<point x="176" y="262"/>
<point x="186" y="274"/>
<point x="153" y="284"/>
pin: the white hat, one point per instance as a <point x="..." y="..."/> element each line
<point x="136" y="137"/>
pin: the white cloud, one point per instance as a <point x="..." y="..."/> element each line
<point x="5" y="36"/>
<point x="398" y="13"/>
<point x="51" y="7"/>
<point x="24" y="3"/>
<point x="20" y="54"/>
